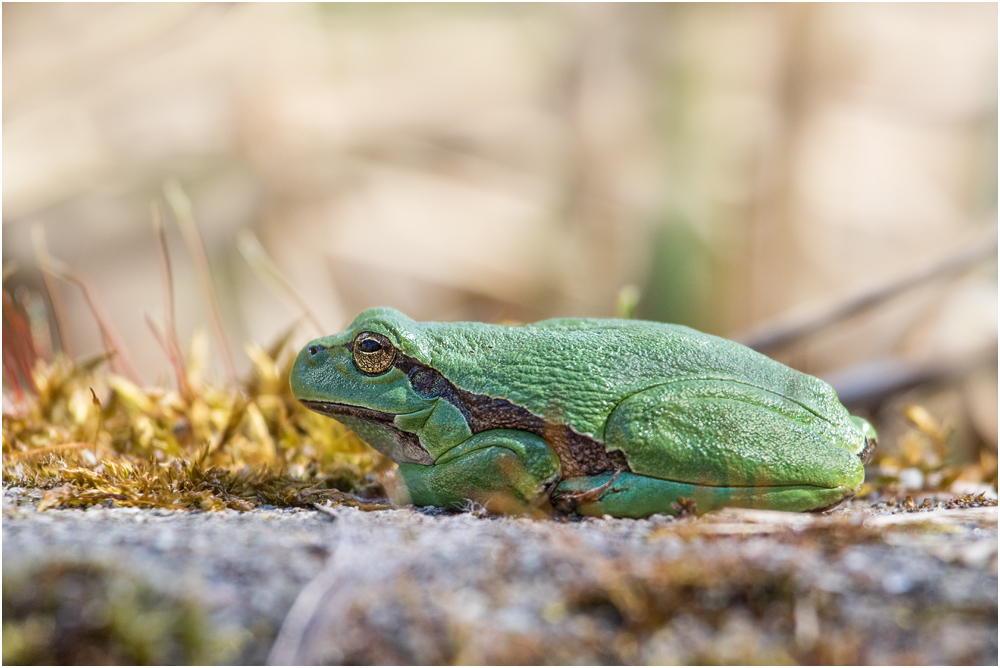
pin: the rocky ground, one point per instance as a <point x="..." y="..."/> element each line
<point x="911" y="582"/>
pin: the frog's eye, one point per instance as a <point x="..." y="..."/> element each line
<point x="373" y="353"/>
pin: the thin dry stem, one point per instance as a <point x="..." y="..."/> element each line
<point x="19" y="353"/>
<point x="170" y="341"/>
<point x="161" y="339"/>
<point x="38" y="321"/>
<point x="100" y="420"/>
<point x="181" y="206"/>
<point x="802" y="322"/>
<point x="267" y="271"/>
<point x="55" y="292"/>
<point x="120" y="358"/>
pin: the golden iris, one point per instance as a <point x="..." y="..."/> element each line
<point x="373" y="353"/>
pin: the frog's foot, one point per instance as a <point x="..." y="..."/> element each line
<point x="567" y="502"/>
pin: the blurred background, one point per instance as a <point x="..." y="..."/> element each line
<point x="736" y="164"/>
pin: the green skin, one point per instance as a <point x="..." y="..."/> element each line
<point x="616" y="417"/>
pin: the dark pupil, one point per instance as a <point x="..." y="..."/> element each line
<point x="370" y="346"/>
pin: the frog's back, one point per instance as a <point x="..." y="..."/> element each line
<point x="576" y="370"/>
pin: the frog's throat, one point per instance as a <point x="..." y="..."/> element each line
<point x="408" y="444"/>
<point x="579" y="454"/>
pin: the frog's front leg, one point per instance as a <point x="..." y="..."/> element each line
<point x="721" y="444"/>
<point x="497" y="467"/>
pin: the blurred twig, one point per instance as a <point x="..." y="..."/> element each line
<point x="181" y="206"/>
<point x="801" y="322"/>
<point x="268" y="272"/>
<point x="871" y="382"/>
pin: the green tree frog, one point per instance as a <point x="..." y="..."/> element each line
<point x="605" y="417"/>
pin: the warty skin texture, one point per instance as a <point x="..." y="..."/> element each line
<point x="662" y="405"/>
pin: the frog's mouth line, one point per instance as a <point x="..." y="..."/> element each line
<point x="407" y="448"/>
<point x="360" y="412"/>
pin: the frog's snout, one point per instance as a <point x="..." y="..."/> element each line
<point x="308" y="363"/>
<point x="312" y="355"/>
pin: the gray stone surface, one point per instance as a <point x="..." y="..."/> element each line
<point x="245" y="568"/>
<point x="861" y="584"/>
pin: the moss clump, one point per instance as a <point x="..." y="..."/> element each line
<point x="91" y="437"/>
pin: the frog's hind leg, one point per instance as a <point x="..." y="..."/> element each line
<point x="632" y="495"/>
<point x="723" y="444"/>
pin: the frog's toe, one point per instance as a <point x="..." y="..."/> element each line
<point x="832" y="505"/>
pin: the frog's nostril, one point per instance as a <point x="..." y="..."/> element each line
<point x="315" y="349"/>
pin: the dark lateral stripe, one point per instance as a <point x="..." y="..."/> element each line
<point x="578" y="454"/>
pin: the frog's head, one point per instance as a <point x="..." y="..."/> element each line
<point x="360" y="378"/>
